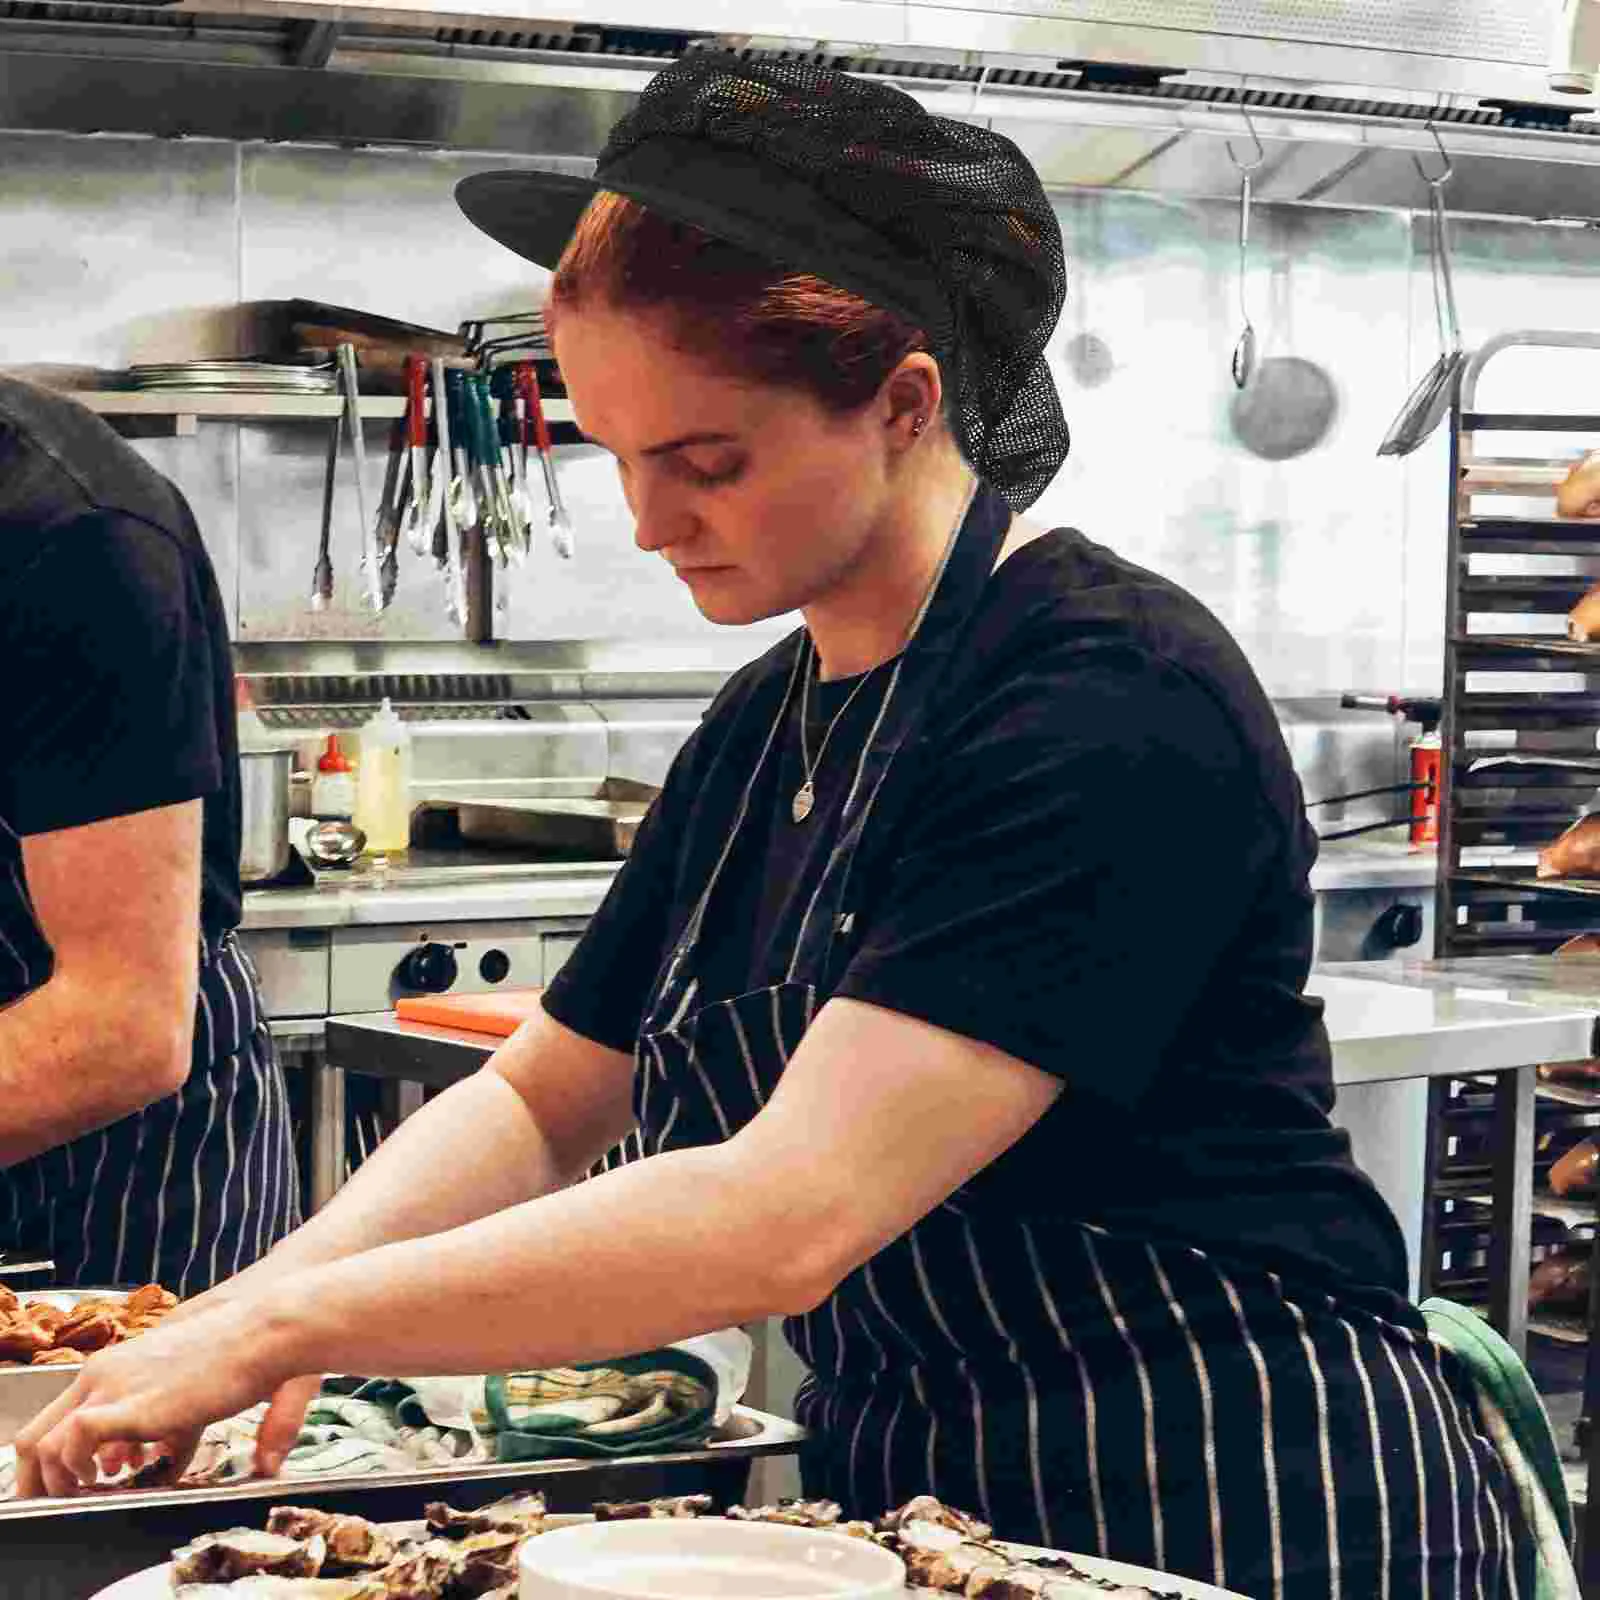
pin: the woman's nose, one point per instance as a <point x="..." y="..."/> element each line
<point x="659" y="517"/>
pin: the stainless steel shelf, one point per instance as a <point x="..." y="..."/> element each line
<point x="187" y="409"/>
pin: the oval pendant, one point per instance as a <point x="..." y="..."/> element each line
<point x="804" y="798"/>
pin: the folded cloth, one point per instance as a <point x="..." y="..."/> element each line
<point x="1515" y="1419"/>
<point x="633" y="1405"/>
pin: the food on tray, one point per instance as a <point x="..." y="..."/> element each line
<point x="472" y="1555"/>
<point x="1560" y="1283"/>
<point x="1574" y="1072"/>
<point x="1578" y="1171"/>
<point x="520" y="1513"/>
<point x="35" y="1332"/>
<point x="241" y="1552"/>
<point x="1576" y="854"/>
<point x="926" y="1509"/>
<point x="352" y="1543"/>
<point x="676" y="1507"/>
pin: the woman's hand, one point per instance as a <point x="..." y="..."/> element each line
<point x="162" y="1389"/>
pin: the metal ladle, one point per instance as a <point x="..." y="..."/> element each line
<point x="1431" y="398"/>
<point x="1244" y="352"/>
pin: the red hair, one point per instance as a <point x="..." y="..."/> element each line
<point x="735" y="310"/>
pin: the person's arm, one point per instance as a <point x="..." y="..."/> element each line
<point x="109" y="745"/>
<point x="1579" y="493"/>
<point x="112" y="1028"/>
<point x="764" y="1224"/>
<point x="541" y="1111"/>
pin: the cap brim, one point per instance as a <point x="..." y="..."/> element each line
<point x="533" y="213"/>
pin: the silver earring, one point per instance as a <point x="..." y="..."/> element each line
<point x="918" y="426"/>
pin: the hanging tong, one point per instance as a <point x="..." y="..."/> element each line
<point x="371" y="555"/>
<point x="1244" y="352"/>
<point x="527" y="380"/>
<point x="447" y="534"/>
<point x="417" y="526"/>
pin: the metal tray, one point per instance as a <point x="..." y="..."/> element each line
<point x="26" y="1391"/>
<point x="66" y="1549"/>
<point x="599" y="823"/>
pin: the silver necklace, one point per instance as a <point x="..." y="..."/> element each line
<point x="805" y="797"/>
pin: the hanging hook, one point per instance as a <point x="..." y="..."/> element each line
<point x="978" y="88"/>
<point x="1436" y="180"/>
<point x="1247" y="167"/>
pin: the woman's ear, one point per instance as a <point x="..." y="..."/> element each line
<point x="913" y="396"/>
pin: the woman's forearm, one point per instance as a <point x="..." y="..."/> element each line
<point x="474" y="1150"/>
<point x="628" y="1261"/>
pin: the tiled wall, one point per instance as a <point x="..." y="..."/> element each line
<point x="1329" y="568"/>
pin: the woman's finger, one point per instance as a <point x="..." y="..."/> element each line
<point x="80" y="1440"/>
<point x="30" y="1477"/>
<point x="281" y="1426"/>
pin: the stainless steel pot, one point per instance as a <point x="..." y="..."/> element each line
<point x="264" y="781"/>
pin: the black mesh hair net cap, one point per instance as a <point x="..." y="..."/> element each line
<point x="942" y="222"/>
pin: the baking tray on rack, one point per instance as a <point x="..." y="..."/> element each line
<point x="66" y="1549"/>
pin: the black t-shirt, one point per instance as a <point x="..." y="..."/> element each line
<point x="1098" y="862"/>
<point x="114" y="654"/>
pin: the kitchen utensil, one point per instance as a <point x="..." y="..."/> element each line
<point x="322" y="574"/>
<point x="1087" y="354"/>
<point x="560" y="523"/>
<point x="513" y="461"/>
<point x="629" y="1560"/>
<point x="1288" y="408"/>
<point x="264" y="780"/>
<point x="387" y="532"/>
<point x="414" y="524"/>
<point x="371" y="556"/>
<point x="1244" y="352"/>
<point x="463" y="501"/>
<point x="1425" y="407"/>
<point x="447" y="541"/>
<point x="334" y="843"/>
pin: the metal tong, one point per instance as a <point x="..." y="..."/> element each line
<point x="448" y="532"/>
<point x="531" y="412"/>
<point x="371" y="553"/>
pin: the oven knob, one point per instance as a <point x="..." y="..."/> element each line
<point x="430" y="968"/>
<point x="495" y="967"/>
<point x="1398" y="926"/>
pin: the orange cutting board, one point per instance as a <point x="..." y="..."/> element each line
<point x="501" y="1013"/>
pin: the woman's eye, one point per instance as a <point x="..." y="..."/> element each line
<point x="713" y="474"/>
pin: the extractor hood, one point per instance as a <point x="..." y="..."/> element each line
<point x="1141" y="94"/>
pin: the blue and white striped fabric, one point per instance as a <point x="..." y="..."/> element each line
<point x="1119" y="1396"/>
<point x="186" y="1192"/>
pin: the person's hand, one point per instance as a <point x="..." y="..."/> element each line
<point x="161" y="1390"/>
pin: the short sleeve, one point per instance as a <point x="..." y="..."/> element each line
<point x="1084" y="850"/>
<point x="110" y="672"/>
<point x="604" y="986"/>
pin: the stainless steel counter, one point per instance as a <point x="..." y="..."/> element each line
<point x="1382" y="1028"/>
<point x="564" y="889"/>
<point x="575" y="889"/>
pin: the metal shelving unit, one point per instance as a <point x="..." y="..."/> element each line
<point x="184" y="411"/>
<point x="1521" y="754"/>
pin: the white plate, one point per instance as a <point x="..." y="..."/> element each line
<point x="155" y="1583"/>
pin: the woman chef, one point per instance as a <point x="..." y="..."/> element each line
<point x="955" y="979"/>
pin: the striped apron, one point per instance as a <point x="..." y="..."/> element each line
<point x="1079" y="1389"/>
<point x="191" y="1189"/>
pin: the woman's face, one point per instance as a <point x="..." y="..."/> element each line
<point x="761" y="499"/>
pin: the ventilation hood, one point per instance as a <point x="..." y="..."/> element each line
<point x="1136" y="94"/>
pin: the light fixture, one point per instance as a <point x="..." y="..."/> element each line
<point x="1575" y="59"/>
